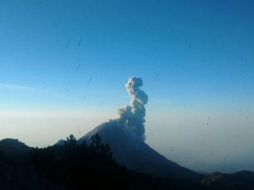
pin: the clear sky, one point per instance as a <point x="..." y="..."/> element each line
<point x="64" y="63"/>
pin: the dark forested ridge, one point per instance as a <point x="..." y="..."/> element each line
<point x="70" y="165"/>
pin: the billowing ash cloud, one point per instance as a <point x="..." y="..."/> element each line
<point x="133" y="116"/>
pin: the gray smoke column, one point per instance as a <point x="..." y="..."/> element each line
<point x="133" y="116"/>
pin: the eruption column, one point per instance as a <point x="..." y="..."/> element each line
<point x="133" y="116"/>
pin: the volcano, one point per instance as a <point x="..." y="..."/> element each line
<point x="131" y="152"/>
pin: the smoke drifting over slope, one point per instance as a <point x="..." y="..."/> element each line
<point x="133" y="116"/>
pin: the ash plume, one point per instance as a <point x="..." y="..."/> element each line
<point x="133" y="116"/>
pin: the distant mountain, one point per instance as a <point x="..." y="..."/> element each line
<point x="130" y="151"/>
<point x="240" y="180"/>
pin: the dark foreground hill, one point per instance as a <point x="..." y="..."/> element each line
<point x="69" y="166"/>
<point x="17" y="170"/>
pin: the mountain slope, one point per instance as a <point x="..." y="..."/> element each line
<point x="133" y="153"/>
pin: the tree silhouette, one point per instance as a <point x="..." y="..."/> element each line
<point x="85" y="166"/>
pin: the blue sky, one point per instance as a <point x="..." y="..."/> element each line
<point x="61" y="55"/>
<point x="186" y="51"/>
